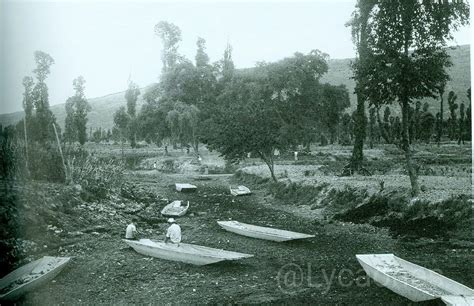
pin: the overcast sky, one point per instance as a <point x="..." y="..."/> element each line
<point x="107" y="41"/>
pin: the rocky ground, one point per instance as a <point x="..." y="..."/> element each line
<point x="56" y="221"/>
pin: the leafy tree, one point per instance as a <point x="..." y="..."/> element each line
<point x="28" y="106"/>
<point x="131" y="95"/>
<point x="360" y="35"/>
<point x="170" y="36"/>
<point x="44" y="118"/>
<point x="407" y="57"/>
<point x="427" y="121"/>
<point x="372" y="123"/>
<point x="272" y="106"/>
<point x="202" y="59"/>
<point x="453" y="106"/>
<point x="121" y="121"/>
<point x="468" y="126"/>
<point x="70" y="133"/>
<point x="461" y="127"/>
<point x="439" y="129"/>
<point x="82" y="107"/>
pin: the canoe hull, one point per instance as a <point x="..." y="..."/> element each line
<point x="187" y="253"/>
<point x="185" y="187"/>
<point x="170" y="211"/>
<point x="240" y="191"/>
<point x="458" y="300"/>
<point x="414" y="282"/>
<point x="17" y="292"/>
<point x="260" y="232"/>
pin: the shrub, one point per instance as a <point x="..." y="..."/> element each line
<point x="96" y="175"/>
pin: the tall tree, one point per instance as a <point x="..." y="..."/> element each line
<point x="453" y="106"/>
<point x="170" y="36"/>
<point x="28" y="106"/>
<point x="202" y="59"/>
<point x="407" y="57"/>
<point x="360" y="31"/>
<point x="439" y="129"/>
<point x="121" y="120"/>
<point x="44" y="116"/>
<point x="82" y="107"/>
<point x="131" y="95"/>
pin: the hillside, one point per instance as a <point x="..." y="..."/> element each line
<point x="339" y="72"/>
<point x="460" y="73"/>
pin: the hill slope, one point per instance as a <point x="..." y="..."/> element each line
<point x="339" y="72"/>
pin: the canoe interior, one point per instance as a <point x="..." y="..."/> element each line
<point x="29" y="276"/>
<point x="263" y="231"/>
<point x="410" y="280"/>
<point x="175" y="209"/>
<point x="240" y="190"/>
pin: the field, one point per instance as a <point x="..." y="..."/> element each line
<point x="54" y="219"/>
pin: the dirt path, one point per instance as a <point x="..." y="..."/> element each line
<point x="320" y="271"/>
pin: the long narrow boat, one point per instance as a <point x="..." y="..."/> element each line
<point x="239" y="191"/>
<point x="414" y="282"/>
<point x="175" y="209"/>
<point x="261" y="232"/>
<point x="185" y="187"/>
<point x="183" y="252"/>
<point x="30" y="276"/>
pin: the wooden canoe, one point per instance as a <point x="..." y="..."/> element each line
<point x="261" y="232"/>
<point x="30" y="276"/>
<point x="240" y="191"/>
<point x="183" y="252"/>
<point x="185" y="187"/>
<point x="414" y="282"/>
<point x="175" y="209"/>
<point x="458" y="300"/>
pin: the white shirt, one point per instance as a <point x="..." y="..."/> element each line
<point x="131" y="231"/>
<point x="174" y="233"/>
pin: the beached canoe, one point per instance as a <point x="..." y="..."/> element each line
<point x="414" y="282"/>
<point x="458" y="300"/>
<point x="239" y="191"/>
<point x="185" y="187"/>
<point x="261" y="232"/>
<point x="175" y="209"/>
<point x="30" y="276"/>
<point x="187" y="253"/>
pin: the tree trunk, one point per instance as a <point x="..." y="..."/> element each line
<point x="269" y="161"/>
<point x="405" y="143"/>
<point x="382" y="129"/>
<point x="441" y="110"/>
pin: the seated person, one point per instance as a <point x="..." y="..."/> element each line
<point x="173" y="233"/>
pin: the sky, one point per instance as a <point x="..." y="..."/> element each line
<point x="109" y="42"/>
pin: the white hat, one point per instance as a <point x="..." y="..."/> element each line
<point x="171" y="220"/>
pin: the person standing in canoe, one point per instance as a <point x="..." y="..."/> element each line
<point x="131" y="231"/>
<point x="173" y="233"/>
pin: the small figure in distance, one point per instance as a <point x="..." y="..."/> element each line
<point x="131" y="232"/>
<point x="173" y="233"/>
<point x="154" y="165"/>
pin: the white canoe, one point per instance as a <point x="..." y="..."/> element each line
<point x="175" y="209"/>
<point x="239" y="191"/>
<point x="30" y="276"/>
<point x="458" y="300"/>
<point x="261" y="232"/>
<point x="185" y="187"/>
<point x="187" y="253"/>
<point x="414" y="282"/>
